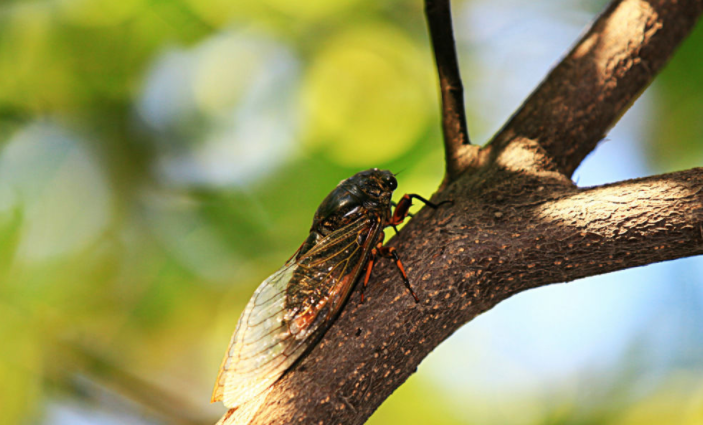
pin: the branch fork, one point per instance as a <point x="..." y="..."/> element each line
<point x="517" y="221"/>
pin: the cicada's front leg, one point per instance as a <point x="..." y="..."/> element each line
<point x="402" y="208"/>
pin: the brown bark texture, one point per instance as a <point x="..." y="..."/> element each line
<point x="517" y="222"/>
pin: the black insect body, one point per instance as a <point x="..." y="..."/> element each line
<point x="293" y="307"/>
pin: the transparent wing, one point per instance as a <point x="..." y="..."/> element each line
<point x="289" y="310"/>
<point x="253" y="359"/>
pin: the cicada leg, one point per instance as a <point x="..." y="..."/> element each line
<point x="390" y="252"/>
<point x="369" y="267"/>
<point x="402" y="208"/>
<point x="386" y="252"/>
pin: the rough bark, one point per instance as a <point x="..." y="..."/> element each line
<point x="517" y="222"/>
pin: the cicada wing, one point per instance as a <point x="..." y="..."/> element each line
<point x="327" y="274"/>
<point x="288" y="310"/>
<point x="255" y="358"/>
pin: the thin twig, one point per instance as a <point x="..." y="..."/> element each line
<point x="456" y="133"/>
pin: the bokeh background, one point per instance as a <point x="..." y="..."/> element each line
<point x="160" y="158"/>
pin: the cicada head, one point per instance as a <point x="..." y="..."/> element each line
<point x="372" y="187"/>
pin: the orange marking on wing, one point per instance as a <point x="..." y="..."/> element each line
<point x="304" y="320"/>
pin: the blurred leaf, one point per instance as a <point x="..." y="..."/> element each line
<point x="10" y="233"/>
<point x="677" y="401"/>
<point x="20" y="367"/>
<point x="415" y="402"/>
<point x="367" y="95"/>
<point x="97" y="12"/>
<point x="678" y="131"/>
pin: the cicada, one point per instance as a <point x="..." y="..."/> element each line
<point x="291" y="309"/>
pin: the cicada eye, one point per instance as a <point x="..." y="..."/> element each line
<point x="392" y="183"/>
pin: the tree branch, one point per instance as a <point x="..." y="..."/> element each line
<point x="517" y="222"/>
<point x="463" y="260"/>
<point x="593" y="86"/>
<point x="456" y="134"/>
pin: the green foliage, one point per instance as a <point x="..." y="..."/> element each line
<point x="677" y="134"/>
<point x="104" y="252"/>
